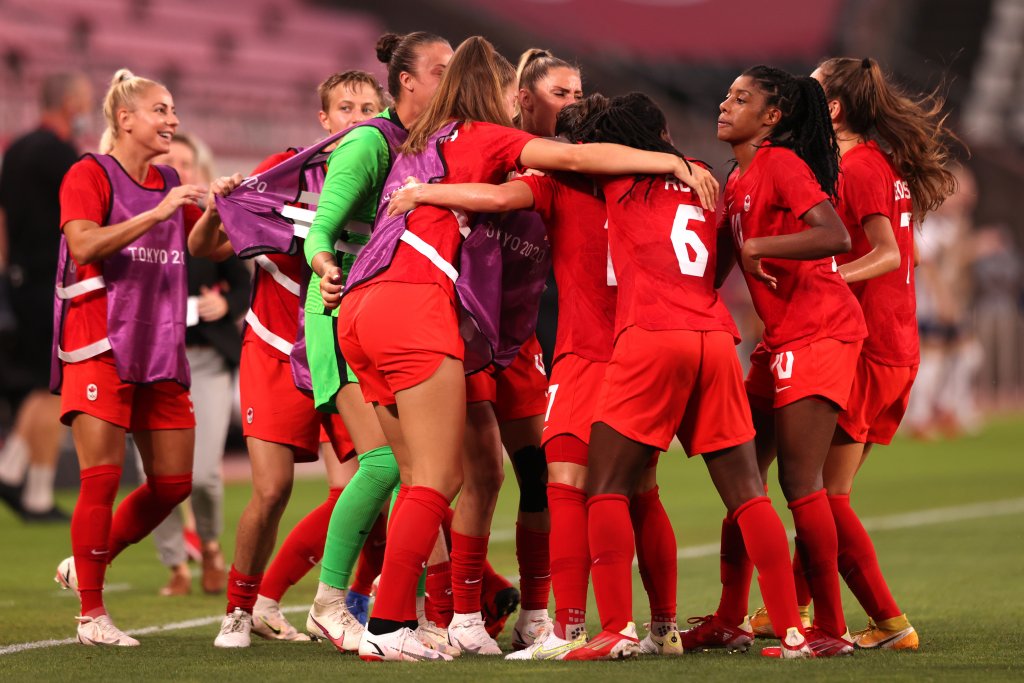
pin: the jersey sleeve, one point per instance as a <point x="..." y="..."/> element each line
<point x="84" y="193"/>
<point x="544" y="190"/>
<point x="795" y="185"/>
<point x="865" y="192"/>
<point x="356" y="170"/>
<point x="502" y="143"/>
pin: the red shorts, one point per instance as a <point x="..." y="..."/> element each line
<point x="676" y="382"/>
<point x="822" y="368"/>
<point x="334" y="432"/>
<point x="877" y="402"/>
<point x="522" y="386"/>
<point x="480" y="386"/>
<point x="394" y="335"/>
<point x="273" y="408"/>
<point x="572" y="397"/>
<point x="93" y="387"/>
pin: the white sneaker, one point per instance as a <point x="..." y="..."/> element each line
<point x="668" y="644"/>
<point x="436" y="638"/>
<point x="398" y="646"/>
<point x="793" y="646"/>
<point x="467" y="632"/>
<point x="66" y="576"/>
<point x="235" y="630"/>
<point x="269" y="622"/>
<point x="530" y="624"/>
<point x="547" y="646"/>
<point x="101" y="631"/>
<point x="333" y="622"/>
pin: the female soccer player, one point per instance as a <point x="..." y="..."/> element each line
<point x="119" y="336"/>
<point x="893" y="147"/>
<point x="280" y="422"/>
<point x="413" y="372"/>
<point x="785" y="234"/>
<point x="355" y="177"/>
<point x="574" y="213"/>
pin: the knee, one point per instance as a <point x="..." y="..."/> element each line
<point x="484" y="480"/>
<point x="271" y="496"/>
<point x="379" y="469"/>
<point x="796" y="485"/>
<point x="171" y="490"/>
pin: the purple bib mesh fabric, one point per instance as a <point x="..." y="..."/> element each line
<point x="146" y="287"/>
<point x="254" y="220"/>
<point x="503" y="264"/>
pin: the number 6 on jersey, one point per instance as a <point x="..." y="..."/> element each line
<point x="682" y="237"/>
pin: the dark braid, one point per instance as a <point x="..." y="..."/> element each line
<point x="574" y="121"/>
<point x="805" y="125"/>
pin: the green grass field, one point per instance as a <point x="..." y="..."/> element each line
<point x="958" y="572"/>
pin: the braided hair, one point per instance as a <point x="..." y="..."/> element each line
<point x="634" y="120"/>
<point x="574" y="122"/>
<point x="805" y="125"/>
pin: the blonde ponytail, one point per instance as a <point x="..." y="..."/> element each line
<point x="125" y="89"/>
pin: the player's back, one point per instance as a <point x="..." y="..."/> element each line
<point x="663" y="253"/>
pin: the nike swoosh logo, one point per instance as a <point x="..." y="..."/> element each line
<point x="892" y="638"/>
<point x="276" y="631"/>
<point x="99" y="552"/>
<point x="472" y="581"/>
<point x="541" y="653"/>
<point x="778" y="389"/>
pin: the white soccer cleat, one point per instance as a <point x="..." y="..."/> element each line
<point x="269" y="622"/>
<point x="547" y="646"/>
<point x="398" y="646"/>
<point x="793" y="646"/>
<point x="333" y="622"/>
<point x="665" y="644"/>
<point x="529" y="626"/>
<point x="468" y="633"/>
<point x="67" y="576"/>
<point x="235" y="630"/>
<point x="436" y="638"/>
<point x="101" y="631"/>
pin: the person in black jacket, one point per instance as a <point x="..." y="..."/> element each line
<point x="33" y="168"/>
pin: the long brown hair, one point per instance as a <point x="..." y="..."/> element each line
<point x="913" y="127"/>
<point x="472" y="89"/>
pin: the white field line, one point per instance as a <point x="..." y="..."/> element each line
<point x="957" y="513"/>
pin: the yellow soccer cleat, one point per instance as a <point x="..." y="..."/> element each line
<point x="762" y="625"/>
<point x="890" y="634"/>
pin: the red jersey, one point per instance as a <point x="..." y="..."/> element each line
<point x="663" y="251"/>
<point x="871" y="186"/>
<point x="275" y="290"/>
<point x="812" y="301"/>
<point x="577" y="223"/>
<point x="474" y="153"/>
<point x="85" y="195"/>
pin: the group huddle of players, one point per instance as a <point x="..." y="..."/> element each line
<point x="398" y="268"/>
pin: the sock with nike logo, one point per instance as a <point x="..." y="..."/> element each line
<point x="371" y="559"/>
<point x="145" y="507"/>
<point x="656" y="554"/>
<point x="301" y="550"/>
<point x="243" y="589"/>
<point x="858" y="563"/>
<point x="610" y="534"/>
<point x="90" y="533"/>
<point x="818" y="546"/>
<point x="468" y="556"/>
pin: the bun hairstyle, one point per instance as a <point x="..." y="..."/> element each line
<point x="125" y="90"/>
<point x="805" y="125"/>
<point x="472" y="89"/>
<point x="911" y="126"/>
<point x="399" y="53"/>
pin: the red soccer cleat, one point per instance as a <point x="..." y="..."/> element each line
<point x="710" y="633"/>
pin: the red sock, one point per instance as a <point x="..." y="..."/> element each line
<point x="301" y="550"/>
<point x="411" y="537"/>
<point x="570" y="555"/>
<point x="611" y="550"/>
<point x="371" y="557"/>
<point x="242" y="590"/>
<point x="803" y="591"/>
<point x="439" y="593"/>
<point x="469" y="553"/>
<point x="655" y="553"/>
<point x="858" y="563"/>
<point x="145" y="508"/>
<point x="90" y="533"/>
<point x="534" y="567"/>
<point x="765" y="540"/>
<point x="736" y="570"/>
<point x="403" y="491"/>
<point x="816" y="542"/>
